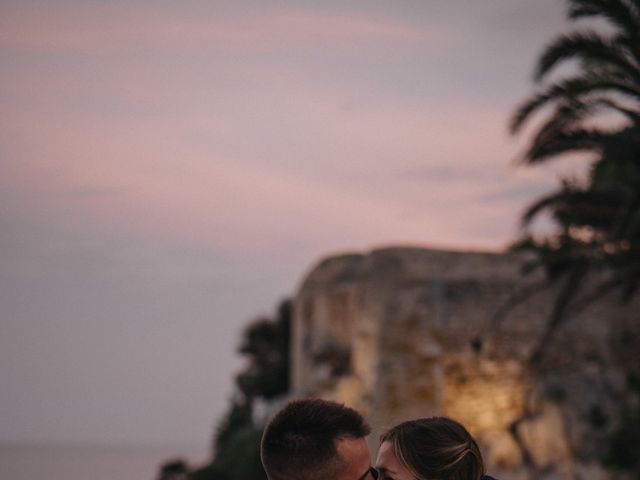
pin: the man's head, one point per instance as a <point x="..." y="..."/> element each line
<point x="316" y="440"/>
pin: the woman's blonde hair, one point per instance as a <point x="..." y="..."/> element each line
<point x="436" y="448"/>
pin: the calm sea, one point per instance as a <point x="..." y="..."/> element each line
<point x="84" y="463"/>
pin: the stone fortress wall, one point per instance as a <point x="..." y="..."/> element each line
<point x="401" y="333"/>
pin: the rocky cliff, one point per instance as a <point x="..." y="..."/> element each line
<point x="401" y="333"/>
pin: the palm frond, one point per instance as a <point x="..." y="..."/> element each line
<point x="542" y="204"/>
<point x="620" y="13"/>
<point x="610" y="104"/>
<point x="630" y="45"/>
<point x="573" y="88"/>
<point x="575" y="207"/>
<point x="547" y="144"/>
<point x="589" y="47"/>
<point x="619" y="150"/>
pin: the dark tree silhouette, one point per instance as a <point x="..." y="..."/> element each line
<point x="174" y="470"/>
<point x="236" y="443"/>
<point x="266" y="347"/>
<point x="594" y="111"/>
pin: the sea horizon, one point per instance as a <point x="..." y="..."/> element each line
<point x="59" y="461"/>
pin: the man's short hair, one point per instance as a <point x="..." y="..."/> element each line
<point x="299" y="443"/>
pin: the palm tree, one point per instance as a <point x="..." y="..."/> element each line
<point x="593" y="111"/>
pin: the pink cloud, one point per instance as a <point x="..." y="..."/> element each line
<point x="105" y="27"/>
<point x="247" y="156"/>
<point x="155" y="183"/>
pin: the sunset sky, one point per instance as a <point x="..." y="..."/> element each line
<point x="171" y="169"/>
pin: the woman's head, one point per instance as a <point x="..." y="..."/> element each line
<point x="434" y="448"/>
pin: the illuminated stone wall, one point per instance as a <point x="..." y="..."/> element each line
<point x="405" y="333"/>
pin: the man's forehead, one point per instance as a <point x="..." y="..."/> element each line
<point x="354" y="453"/>
<point x="352" y="444"/>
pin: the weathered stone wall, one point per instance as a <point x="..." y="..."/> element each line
<point x="405" y="333"/>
